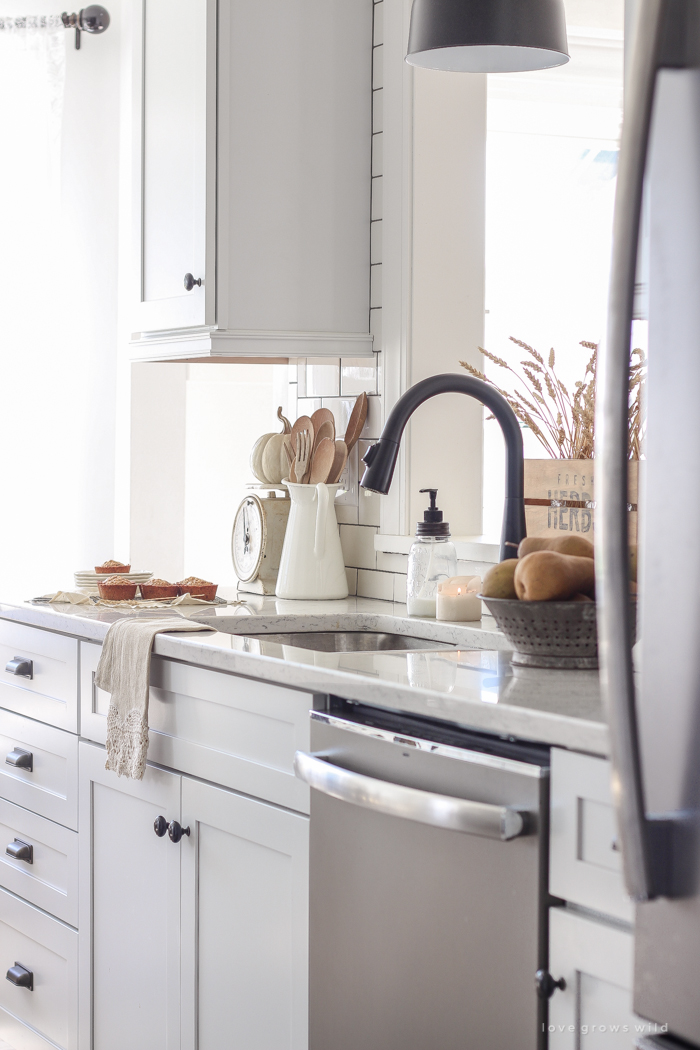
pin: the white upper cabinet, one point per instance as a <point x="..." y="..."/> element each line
<point x="252" y="171"/>
<point x="175" y="147"/>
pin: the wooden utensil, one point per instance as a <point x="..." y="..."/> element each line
<point x="356" y="422"/>
<point x="289" y="453"/>
<point x="326" y="429"/>
<point x="303" y="457"/>
<point x="322" y="463"/>
<point x="302" y="425"/>
<point x="322" y="415"/>
<point x="340" y="458"/>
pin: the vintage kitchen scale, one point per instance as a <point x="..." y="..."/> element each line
<point x="258" y="536"/>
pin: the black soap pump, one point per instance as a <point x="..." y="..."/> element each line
<point x="432" y="558"/>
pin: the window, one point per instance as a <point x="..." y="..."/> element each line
<point x="552" y="148"/>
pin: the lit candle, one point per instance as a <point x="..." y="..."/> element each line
<point x="457" y="598"/>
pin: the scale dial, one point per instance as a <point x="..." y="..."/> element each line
<point x="248" y="539"/>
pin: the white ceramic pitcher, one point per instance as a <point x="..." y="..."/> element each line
<point x="312" y="564"/>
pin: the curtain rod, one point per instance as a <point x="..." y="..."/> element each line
<point x="92" y="19"/>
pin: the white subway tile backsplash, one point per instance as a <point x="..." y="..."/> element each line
<point x="378" y="66"/>
<point x="376" y="241"/>
<point x="301" y="377"/>
<point x="322" y="378"/>
<point x="399" y="588"/>
<point x="358" y="375"/>
<point x="397" y="563"/>
<point x="375" y="585"/>
<point x="352" y="580"/>
<point x="378" y="110"/>
<point x="341" y="407"/>
<point x="346" y="514"/>
<point x="375" y="285"/>
<point x="375" y="327"/>
<point x="377" y="154"/>
<point x="378" y="23"/>
<point x="306" y="406"/>
<point x="373" y="427"/>
<point x="377" y="196"/>
<point x="358" y="546"/>
<point x="369" y="507"/>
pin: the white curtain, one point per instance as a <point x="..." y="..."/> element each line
<point x="37" y="433"/>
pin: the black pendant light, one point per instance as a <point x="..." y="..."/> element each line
<point x="487" y="36"/>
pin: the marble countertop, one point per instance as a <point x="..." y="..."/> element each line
<point x="473" y="685"/>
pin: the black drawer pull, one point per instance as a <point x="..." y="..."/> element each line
<point x="190" y="282"/>
<point x="19" y="665"/>
<point x="20" y="759"/>
<point x="20" y="976"/>
<point x="176" y="831"/>
<point x="20" y="851"/>
<point x="546" y="986"/>
<point x="160" y="826"/>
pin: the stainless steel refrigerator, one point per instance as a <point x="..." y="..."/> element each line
<point x="653" y="695"/>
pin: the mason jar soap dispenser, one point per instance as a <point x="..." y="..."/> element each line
<point x="432" y="558"/>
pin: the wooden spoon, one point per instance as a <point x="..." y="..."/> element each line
<point x="356" y="422"/>
<point x="322" y="415"/>
<point x="326" y="429"/>
<point x="340" y="458"/>
<point x="322" y="462"/>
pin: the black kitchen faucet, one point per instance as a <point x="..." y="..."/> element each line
<point x="381" y="458"/>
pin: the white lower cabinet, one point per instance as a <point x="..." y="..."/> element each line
<point x="38" y="1001"/>
<point x="196" y="944"/>
<point x="245" y="923"/>
<point x="595" y="1008"/>
<point x="129" y="909"/>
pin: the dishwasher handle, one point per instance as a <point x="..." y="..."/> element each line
<point x="397" y="800"/>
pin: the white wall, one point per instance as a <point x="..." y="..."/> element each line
<point x="58" y="342"/>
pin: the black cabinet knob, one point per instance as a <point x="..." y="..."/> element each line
<point x="20" y="759"/>
<point x="190" y="282"/>
<point x="160" y="826"/>
<point x="176" y="831"/>
<point x="19" y="850"/>
<point x="546" y="985"/>
<point x="19" y="665"/>
<point x="20" y="976"/>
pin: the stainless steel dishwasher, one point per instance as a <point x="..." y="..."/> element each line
<point x="428" y="905"/>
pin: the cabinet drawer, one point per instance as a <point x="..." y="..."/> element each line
<point x="51" y="694"/>
<point x="595" y="1008"/>
<point x="49" y="949"/>
<point x="51" y="786"/>
<point x="585" y="866"/>
<point x="223" y="728"/>
<point x="49" y="878"/>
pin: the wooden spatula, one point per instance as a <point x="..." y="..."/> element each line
<point x="340" y="458"/>
<point x="322" y="463"/>
<point x="326" y="429"/>
<point x="356" y="422"/>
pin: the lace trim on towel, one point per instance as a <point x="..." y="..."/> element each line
<point x="127" y="744"/>
<point x="31" y="22"/>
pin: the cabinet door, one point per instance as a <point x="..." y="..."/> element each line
<point x="129" y="909"/>
<point x="174" y="162"/>
<point x="245" y="923"/>
<point x="595" y="1009"/>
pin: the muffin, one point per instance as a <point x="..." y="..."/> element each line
<point x="197" y="588"/>
<point x="159" y="589"/>
<point x="108" y="568"/>
<point x="116" y="589"/>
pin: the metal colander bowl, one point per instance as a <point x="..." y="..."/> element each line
<point x="548" y="634"/>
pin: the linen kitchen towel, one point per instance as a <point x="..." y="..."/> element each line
<point x="124" y="671"/>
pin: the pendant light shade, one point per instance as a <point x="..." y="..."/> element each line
<point x="487" y="36"/>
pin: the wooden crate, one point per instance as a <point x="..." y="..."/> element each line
<point x="560" y="497"/>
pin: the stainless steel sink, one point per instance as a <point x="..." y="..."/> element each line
<point x="351" y="641"/>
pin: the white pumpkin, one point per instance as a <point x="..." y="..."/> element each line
<point x="266" y="459"/>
